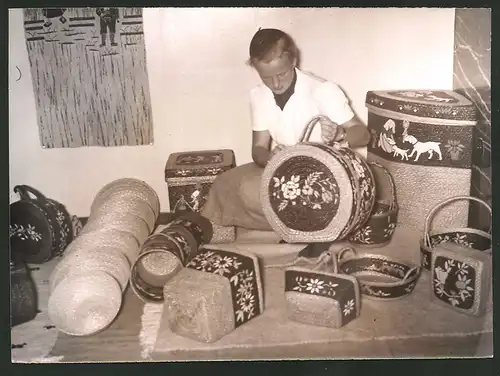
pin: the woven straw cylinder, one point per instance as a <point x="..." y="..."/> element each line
<point x="199" y="305"/>
<point x="160" y="259"/>
<point x="424" y="139"/>
<point x="103" y="258"/>
<point x="312" y="192"/>
<point x="127" y="187"/>
<point x="420" y="188"/>
<point x="85" y="304"/>
<point x="120" y="221"/>
<point x="130" y="205"/>
<point x="103" y="237"/>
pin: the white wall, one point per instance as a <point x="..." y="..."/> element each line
<point x="199" y="85"/>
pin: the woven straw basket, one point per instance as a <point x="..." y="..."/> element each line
<point x="160" y="259"/>
<point x="378" y="231"/>
<point x="217" y="292"/>
<point x="380" y="277"/>
<point x="424" y="139"/>
<point x="468" y="237"/>
<point x="334" y="303"/>
<point x="85" y="304"/>
<point x="312" y="192"/>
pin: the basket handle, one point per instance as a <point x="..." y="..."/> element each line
<point x="391" y="183"/>
<point x="341" y="253"/>
<point x="415" y="269"/>
<point x="324" y="259"/>
<point x="428" y="219"/>
<point x="23" y="191"/>
<point x="310" y="126"/>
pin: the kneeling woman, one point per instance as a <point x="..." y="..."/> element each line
<point x="281" y="106"/>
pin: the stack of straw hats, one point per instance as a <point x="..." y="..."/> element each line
<point x="88" y="283"/>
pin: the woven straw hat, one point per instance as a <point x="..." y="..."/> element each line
<point x="129" y="187"/>
<point x="104" y="258"/>
<point x="85" y="304"/>
<point x="120" y="221"/>
<point x="101" y="237"/>
<point x="130" y="205"/>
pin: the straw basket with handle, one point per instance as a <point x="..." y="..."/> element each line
<point x="469" y="237"/>
<point x="378" y="231"/>
<point x="312" y="192"/>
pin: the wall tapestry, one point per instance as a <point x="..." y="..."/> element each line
<point x="89" y="76"/>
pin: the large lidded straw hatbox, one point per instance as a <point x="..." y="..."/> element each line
<point x="424" y="139"/>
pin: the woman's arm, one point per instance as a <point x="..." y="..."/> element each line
<point x="356" y="133"/>
<point x="261" y="144"/>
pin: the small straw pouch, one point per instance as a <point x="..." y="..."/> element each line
<point x="380" y="277"/>
<point x="378" y="231"/>
<point x="461" y="278"/>
<point x="469" y="237"/>
<point x="215" y="293"/>
<point x="321" y="297"/>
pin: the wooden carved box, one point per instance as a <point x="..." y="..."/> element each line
<point x="189" y="176"/>
<point x="424" y="139"/>
<point x="461" y="278"/>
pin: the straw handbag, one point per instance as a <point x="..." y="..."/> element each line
<point x="468" y="237"/>
<point x="40" y="228"/>
<point x="313" y="192"/>
<point x="378" y="231"/>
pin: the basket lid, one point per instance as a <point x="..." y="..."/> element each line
<point x="306" y="194"/>
<point x="199" y="163"/>
<point x="438" y="104"/>
<point x="30" y="232"/>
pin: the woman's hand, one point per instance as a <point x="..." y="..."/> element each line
<point x="329" y="130"/>
<point x="276" y="150"/>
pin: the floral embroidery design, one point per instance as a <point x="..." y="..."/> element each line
<point x="24" y="233"/>
<point x="455" y="149"/>
<point x="457" y="238"/>
<point x="243" y="280"/>
<point x="348" y="307"/>
<point x="452" y="282"/>
<point x="311" y="191"/>
<point x="315" y="286"/>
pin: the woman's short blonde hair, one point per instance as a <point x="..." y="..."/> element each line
<point x="268" y="44"/>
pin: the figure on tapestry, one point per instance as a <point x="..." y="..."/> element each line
<point x="108" y="20"/>
<point x="51" y="13"/>
<point x="75" y="53"/>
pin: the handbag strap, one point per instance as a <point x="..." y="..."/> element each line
<point x="24" y="191"/>
<point x="430" y="216"/>
<point x="306" y="134"/>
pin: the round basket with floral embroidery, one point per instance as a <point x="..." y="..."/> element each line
<point x="378" y="231"/>
<point x="313" y="192"/>
<point x="379" y="277"/>
<point x="469" y="237"/>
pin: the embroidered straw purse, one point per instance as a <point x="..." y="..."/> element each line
<point x="312" y="192"/>
<point x="472" y="238"/>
